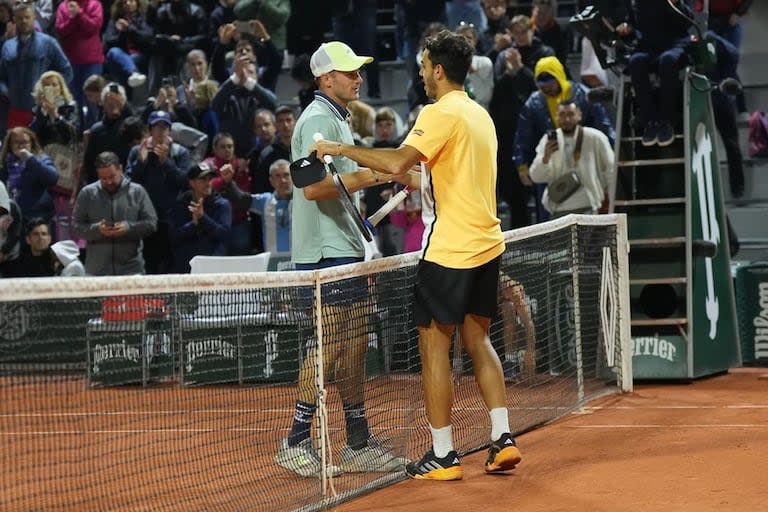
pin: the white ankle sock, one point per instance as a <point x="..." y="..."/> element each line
<point x="442" y="440"/>
<point x="499" y="422"/>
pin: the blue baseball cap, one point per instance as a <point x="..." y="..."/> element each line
<point x="160" y="116"/>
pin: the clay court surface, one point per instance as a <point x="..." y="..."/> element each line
<point x="665" y="447"/>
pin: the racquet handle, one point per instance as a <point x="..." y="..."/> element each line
<point x="388" y="206"/>
<point x="318" y="137"/>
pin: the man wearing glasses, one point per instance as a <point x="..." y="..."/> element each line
<point x="25" y="56"/>
<point x="274" y="207"/>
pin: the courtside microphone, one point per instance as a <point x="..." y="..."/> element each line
<point x="730" y="87"/>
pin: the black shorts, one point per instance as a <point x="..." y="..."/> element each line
<point x="447" y="295"/>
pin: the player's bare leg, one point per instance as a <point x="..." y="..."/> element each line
<point x="434" y="350"/>
<point x="441" y="462"/>
<point x="486" y="364"/>
<point x="503" y="453"/>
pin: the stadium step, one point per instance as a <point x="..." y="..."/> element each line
<point x="665" y="241"/>
<point x="658" y="321"/>
<point x="633" y="138"/>
<point x="650" y="202"/>
<point x="659" y="280"/>
<point x="654" y="162"/>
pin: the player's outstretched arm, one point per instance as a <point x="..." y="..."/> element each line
<point x="387" y="161"/>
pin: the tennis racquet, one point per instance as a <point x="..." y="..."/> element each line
<point x="344" y="197"/>
<point x="387" y="207"/>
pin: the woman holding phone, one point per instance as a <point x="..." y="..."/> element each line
<point x="55" y="121"/>
<point x="54" y="116"/>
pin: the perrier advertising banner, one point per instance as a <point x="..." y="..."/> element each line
<point x="712" y="314"/>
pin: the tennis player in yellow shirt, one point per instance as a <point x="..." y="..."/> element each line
<point x="457" y="277"/>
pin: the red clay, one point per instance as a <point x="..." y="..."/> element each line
<point x="672" y="447"/>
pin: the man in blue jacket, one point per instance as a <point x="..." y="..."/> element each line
<point x="200" y="221"/>
<point x="23" y="59"/>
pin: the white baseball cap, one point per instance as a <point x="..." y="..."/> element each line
<point x="336" y="56"/>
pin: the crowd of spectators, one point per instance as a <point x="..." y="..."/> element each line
<point x="177" y="98"/>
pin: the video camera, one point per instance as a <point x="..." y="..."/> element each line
<point x="611" y="51"/>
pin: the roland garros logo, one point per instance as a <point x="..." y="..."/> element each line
<point x="16" y="323"/>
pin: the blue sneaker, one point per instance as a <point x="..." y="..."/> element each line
<point x="650" y="134"/>
<point x="665" y="134"/>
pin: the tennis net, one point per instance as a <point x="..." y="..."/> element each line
<point x="175" y="392"/>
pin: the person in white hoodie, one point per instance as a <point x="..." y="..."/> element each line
<point x="66" y="262"/>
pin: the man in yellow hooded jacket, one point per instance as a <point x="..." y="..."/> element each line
<point x="539" y="115"/>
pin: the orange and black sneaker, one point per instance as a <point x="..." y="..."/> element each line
<point x="432" y="468"/>
<point x="503" y="455"/>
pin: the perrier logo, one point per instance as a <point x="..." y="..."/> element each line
<point x="114" y="352"/>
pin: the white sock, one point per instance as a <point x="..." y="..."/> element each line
<point x="442" y="441"/>
<point x="499" y="422"/>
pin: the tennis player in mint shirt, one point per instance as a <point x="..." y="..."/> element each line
<point x="324" y="235"/>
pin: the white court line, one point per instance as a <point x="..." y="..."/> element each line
<point x="647" y="407"/>
<point x="670" y="426"/>
<point x="145" y="431"/>
<point x="281" y="411"/>
<point x="139" y="413"/>
<point x="234" y="411"/>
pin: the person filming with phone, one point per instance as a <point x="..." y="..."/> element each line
<point x="576" y="163"/>
<point x="113" y="215"/>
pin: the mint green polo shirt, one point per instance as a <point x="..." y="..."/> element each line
<point x="323" y="229"/>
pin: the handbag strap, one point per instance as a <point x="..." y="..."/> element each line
<point x="579" y="141"/>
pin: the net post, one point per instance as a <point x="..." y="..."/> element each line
<point x="322" y="413"/>
<point x="577" y="312"/>
<point x="625" y="337"/>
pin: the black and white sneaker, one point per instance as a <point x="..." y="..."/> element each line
<point x="432" y="468"/>
<point x="503" y="455"/>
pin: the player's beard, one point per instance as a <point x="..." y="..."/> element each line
<point x="430" y="87"/>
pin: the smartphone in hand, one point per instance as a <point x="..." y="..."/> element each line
<point x="244" y="27"/>
<point x="49" y="93"/>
